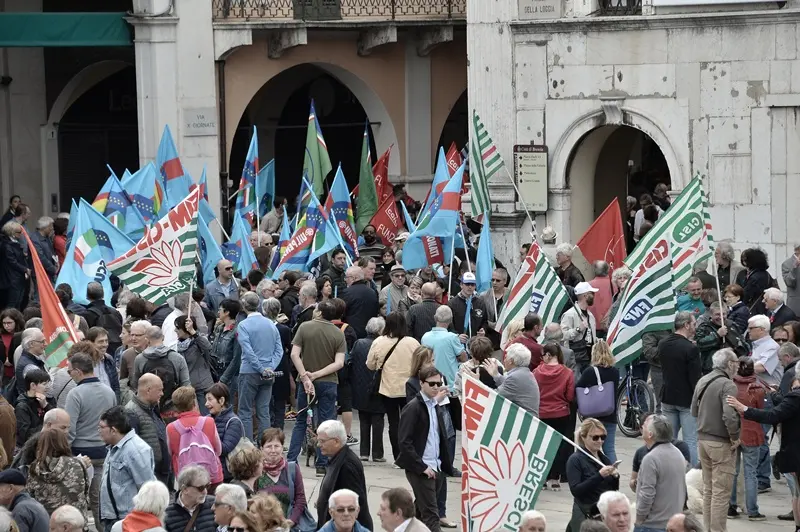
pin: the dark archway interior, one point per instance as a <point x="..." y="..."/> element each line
<point x="99" y="129"/>
<point x="280" y="112"/>
<point x="456" y="127"/>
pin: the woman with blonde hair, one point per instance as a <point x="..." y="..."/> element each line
<point x="512" y="332"/>
<point x="268" y="513"/>
<point x="587" y="478"/>
<point x="603" y="361"/>
<point x="423" y="356"/>
<point x="246" y="466"/>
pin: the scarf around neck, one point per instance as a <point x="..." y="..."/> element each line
<point x="275" y="470"/>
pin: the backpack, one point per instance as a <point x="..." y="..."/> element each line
<point x="196" y="449"/>
<point x="165" y="370"/>
<point x="107" y="319"/>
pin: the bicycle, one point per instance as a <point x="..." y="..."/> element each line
<point x="635" y="401"/>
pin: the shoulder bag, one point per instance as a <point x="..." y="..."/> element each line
<point x="307" y="523"/>
<point x="375" y="386"/>
<point x="598" y="400"/>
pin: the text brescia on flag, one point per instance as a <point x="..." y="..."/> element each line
<point x="508" y="455"/>
<point x="536" y="289"/>
<point x="686" y="227"/>
<point x="647" y="304"/>
<point x="161" y="264"/>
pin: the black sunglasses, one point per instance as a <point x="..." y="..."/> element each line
<point x="237" y="529"/>
<point x="229" y="268"/>
<point x="599" y="437"/>
<point x="435" y="384"/>
<point x="202" y="488"/>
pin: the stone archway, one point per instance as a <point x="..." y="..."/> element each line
<point x="575" y="157"/>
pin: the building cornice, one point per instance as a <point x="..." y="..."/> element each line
<point x="255" y="24"/>
<point x="641" y="22"/>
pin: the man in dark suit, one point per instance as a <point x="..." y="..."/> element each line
<point x="361" y="300"/>
<point x="423" y="446"/>
<point x="345" y="471"/>
<point x="777" y="312"/>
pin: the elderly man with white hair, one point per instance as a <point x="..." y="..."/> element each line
<point x="615" y="509"/>
<point x="517" y="383"/>
<point x="228" y="500"/>
<point x="32" y="357"/>
<point x="569" y="273"/>
<point x="777" y="312"/>
<point x="533" y="521"/>
<point x="360" y="297"/>
<point x="192" y="502"/>
<point x="64" y="519"/>
<point x="765" y="350"/>
<point x="307" y="302"/>
<point x="343" y="505"/>
<point x="344" y="471"/>
<point x="42" y="240"/>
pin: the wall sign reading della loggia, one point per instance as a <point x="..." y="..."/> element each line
<point x="539" y="9"/>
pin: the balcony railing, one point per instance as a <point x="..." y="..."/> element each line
<point x="345" y="10"/>
<point x="620" y="7"/>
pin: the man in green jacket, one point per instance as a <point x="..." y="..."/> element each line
<point x="715" y="332"/>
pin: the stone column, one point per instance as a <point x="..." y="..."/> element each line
<point x="418" y="159"/>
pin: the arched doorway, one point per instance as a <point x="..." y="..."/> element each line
<point x="456" y="127"/>
<point x="279" y="110"/>
<point x="611" y="161"/>
<point x="97" y="125"/>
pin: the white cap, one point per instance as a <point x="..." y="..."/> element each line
<point x="468" y="278"/>
<point x="402" y="237"/>
<point x="584" y="288"/>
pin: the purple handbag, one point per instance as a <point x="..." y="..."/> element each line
<point x="598" y="400"/>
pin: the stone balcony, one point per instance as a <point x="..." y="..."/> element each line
<point x="340" y="12"/>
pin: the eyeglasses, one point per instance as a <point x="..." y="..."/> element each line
<point x="781" y="340"/>
<point x="237" y="529"/>
<point x="599" y="437"/>
<point x="229" y="268"/>
<point x="497" y="280"/>
<point x="202" y="488"/>
<point x="344" y="509"/>
<point x="434" y="384"/>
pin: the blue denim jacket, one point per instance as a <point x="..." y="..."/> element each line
<point x="215" y="293"/>
<point x="128" y="465"/>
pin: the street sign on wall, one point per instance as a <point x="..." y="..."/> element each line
<point x="539" y="9"/>
<point x="530" y="173"/>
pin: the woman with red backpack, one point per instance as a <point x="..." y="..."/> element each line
<point x="192" y="438"/>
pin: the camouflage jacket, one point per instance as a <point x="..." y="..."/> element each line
<point x="63" y="480"/>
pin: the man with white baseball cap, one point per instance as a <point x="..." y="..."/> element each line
<point x="579" y="325"/>
<point x="464" y="300"/>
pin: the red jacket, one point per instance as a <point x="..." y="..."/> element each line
<point x="533" y="346"/>
<point x="750" y="392"/>
<point x="556" y="390"/>
<point x="190" y="419"/>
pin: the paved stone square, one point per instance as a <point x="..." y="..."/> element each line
<point x="557" y="506"/>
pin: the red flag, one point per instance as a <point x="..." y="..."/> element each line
<point x="605" y="238"/>
<point x="453" y="159"/>
<point x="387" y="221"/>
<point x="381" y="173"/>
<point x="58" y="329"/>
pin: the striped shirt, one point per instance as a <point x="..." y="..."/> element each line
<point x="421" y="318"/>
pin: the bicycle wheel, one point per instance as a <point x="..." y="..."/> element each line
<point x="633" y="405"/>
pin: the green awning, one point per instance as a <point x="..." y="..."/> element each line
<point x="64" y="29"/>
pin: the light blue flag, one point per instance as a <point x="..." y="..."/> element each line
<point x="484" y="264"/>
<point x="121" y="212"/>
<point x="283" y="241"/>
<point x="440" y="179"/>
<point x="265" y="188"/>
<point x="238" y="249"/>
<point x="205" y="207"/>
<point x="175" y="180"/>
<point x="410" y="225"/>
<point x="332" y="241"/>
<point x="95" y="243"/>
<point x="73" y="217"/>
<point x="210" y="252"/>
<point x="144" y="188"/>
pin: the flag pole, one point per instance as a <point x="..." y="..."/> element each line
<point x="716" y="278"/>
<point x="452" y="253"/>
<point x="534" y="233"/>
<point x="466" y="246"/>
<point x="227" y="236"/>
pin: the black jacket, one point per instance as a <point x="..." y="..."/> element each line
<point x="788" y="376"/>
<point x="478" y="318"/>
<point x="361" y="379"/>
<point x="289" y="299"/>
<point x="571" y="275"/>
<point x="585" y="481"/>
<point x="782" y="315"/>
<point x="30" y="417"/>
<point x="25" y="359"/>
<point x="160" y="314"/>
<point x="680" y="366"/>
<point x="337" y="279"/>
<point x="754" y="283"/>
<point x="787" y="413"/>
<point x="344" y="471"/>
<point x="15" y="265"/>
<point x="362" y="304"/>
<point x="412" y="436"/>
<point x="738" y="315"/>
<point x="421" y="318"/>
<point x="177" y="517"/>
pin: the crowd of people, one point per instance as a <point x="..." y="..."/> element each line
<point x="172" y="417"/>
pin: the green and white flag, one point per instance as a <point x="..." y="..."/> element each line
<point x="647" y="304"/>
<point x="508" y="455"/>
<point x="536" y="289"/>
<point x="686" y="226"/>
<point x="486" y="161"/>
<point x="162" y="263"/>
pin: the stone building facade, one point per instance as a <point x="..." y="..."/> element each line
<point x="716" y="88"/>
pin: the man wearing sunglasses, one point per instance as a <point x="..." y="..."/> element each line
<point x="423" y="446"/>
<point x="223" y="287"/>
